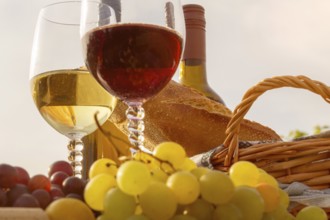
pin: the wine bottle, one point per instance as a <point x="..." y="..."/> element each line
<point x="193" y="64"/>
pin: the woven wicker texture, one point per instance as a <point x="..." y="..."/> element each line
<point x="306" y="161"/>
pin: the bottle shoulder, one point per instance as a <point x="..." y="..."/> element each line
<point x="211" y="94"/>
<point x="193" y="74"/>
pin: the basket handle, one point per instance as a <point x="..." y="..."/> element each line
<point x="231" y="141"/>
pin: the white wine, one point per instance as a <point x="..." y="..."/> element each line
<point x="69" y="99"/>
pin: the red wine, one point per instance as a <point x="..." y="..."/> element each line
<point x="133" y="61"/>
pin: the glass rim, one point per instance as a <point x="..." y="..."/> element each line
<point x="44" y="8"/>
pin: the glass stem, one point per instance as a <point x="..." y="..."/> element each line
<point x="76" y="147"/>
<point x="135" y="115"/>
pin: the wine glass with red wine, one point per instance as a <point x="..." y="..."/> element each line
<point x="133" y="48"/>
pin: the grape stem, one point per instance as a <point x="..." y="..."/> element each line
<point x="109" y="136"/>
<point x="161" y="161"/>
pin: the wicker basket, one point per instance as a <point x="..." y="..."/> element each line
<point x="306" y="161"/>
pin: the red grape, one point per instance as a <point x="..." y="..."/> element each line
<point x="58" y="177"/>
<point x="8" y="176"/>
<point x="15" y="192"/>
<point x="39" y="181"/>
<point x="73" y="184"/>
<point x="60" y="165"/>
<point x="3" y="198"/>
<point x="56" y="192"/>
<point x="43" y="197"/>
<point x="23" y="175"/>
<point x="75" y="196"/>
<point x="26" y="200"/>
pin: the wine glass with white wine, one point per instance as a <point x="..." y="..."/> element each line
<point x="65" y="93"/>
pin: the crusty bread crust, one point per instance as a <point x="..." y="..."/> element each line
<point x="183" y="115"/>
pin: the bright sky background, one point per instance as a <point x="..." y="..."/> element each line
<point x="247" y="41"/>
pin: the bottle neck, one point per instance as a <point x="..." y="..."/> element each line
<point x="195" y="46"/>
<point x="193" y="63"/>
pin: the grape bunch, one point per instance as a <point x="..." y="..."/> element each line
<point x="167" y="185"/>
<point x="164" y="185"/>
<point x="18" y="189"/>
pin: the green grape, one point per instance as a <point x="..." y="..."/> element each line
<point x="216" y="187"/>
<point x="181" y="209"/>
<point x="280" y="213"/>
<point x="103" y="165"/>
<point x="95" y="190"/>
<point x="158" y="175"/>
<point x="244" y="173"/>
<point x="158" y="202"/>
<point x="183" y="217"/>
<point x="133" y="177"/>
<point x="171" y="152"/>
<point x="167" y="168"/>
<point x="138" y="209"/>
<point x="290" y="217"/>
<point x="199" y="171"/>
<point x="264" y="177"/>
<point x="200" y="209"/>
<point x="185" y="186"/>
<point x="188" y="164"/>
<point x="270" y="195"/>
<point x="137" y="217"/>
<point x="102" y="217"/>
<point x="268" y="216"/>
<point x="118" y="205"/>
<point x="227" y="211"/>
<point x="312" y="213"/>
<point x="284" y="198"/>
<point x="146" y="158"/>
<point x="249" y="202"/>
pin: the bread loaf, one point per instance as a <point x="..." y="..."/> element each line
<point x="183" y="115"/>
<point x="23" y="214"/>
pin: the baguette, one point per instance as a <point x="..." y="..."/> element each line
<point x="183" y="115"/>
